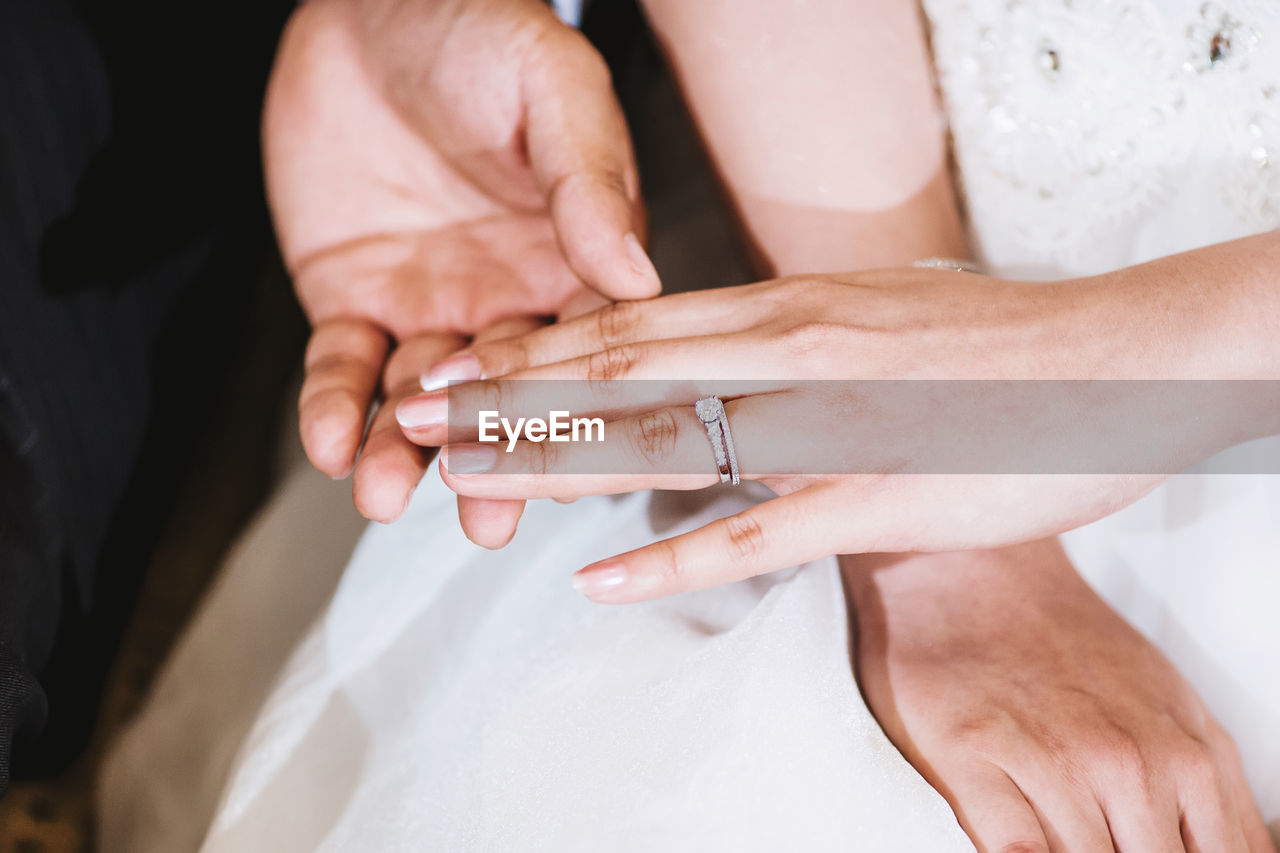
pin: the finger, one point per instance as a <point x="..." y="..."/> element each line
<point x="492" y="523"/>
<point x="680" y="315"/>
<point x="994" y="813"/>
<point x="390" y="466"/>
<point x="1070" y="816"/>
<point x="781" y="532"/>
<point x="622" y="382"/>
<point x="581" y="155"/>
<point x="508" y="327"/>
<point x="668" y="448"/>
<point x="342" y="366"/>
<point x="1210" y="816"/>
<point x="1075" y="828"/>
<point x="1251" y="823"/>
<point x="583" y="302"/>
<point x="487" y="522"/>
<point x="1142" y="818"/>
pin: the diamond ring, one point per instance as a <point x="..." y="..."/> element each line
<point x="711" y="412"/>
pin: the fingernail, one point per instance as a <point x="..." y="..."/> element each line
<point x="596" y="581"/>
<point x="474" y="459"/>
<point x="457" y="368"/>
<point x="422" y="411"/>
<point x="639" y="258"/>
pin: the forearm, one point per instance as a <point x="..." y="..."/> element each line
<point x="879" y="195"/>
<point x="1211" y="313"/>
<point x="835" y="159"/>
<point x="870" y="193"/>
<point x="819" y="189"/>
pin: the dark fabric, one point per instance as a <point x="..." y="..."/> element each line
<point x="131" y="225"/>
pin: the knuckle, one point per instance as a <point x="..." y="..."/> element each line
<point x="1196" y="765"/>
<point x="1220" y="741"/>
<point x="1023" y="847"/>
<point x="567" y="49"/>
<point x="669" y="567"/>
<point x="592" y="69"/>
<point x="1123" y="758"/>
<point x="654" y="435"/>
<point x="615" y="322"/>
<point x="329" y="363"/>
<point x="488" y="396"/>
<point x="541" y="457"/>
<point x="992" y="735"/>
<point x="1113" y="756"/>
<point x="745" y="535"/>
<point x="352" y="339"/>
<point x="979" y="733"/>
<point x="790" y="289"/>
<point x="809" y="337"/>
<point x="611" y="363"/>
<point x="578" y="196"/>
<point x="498" y="358"/>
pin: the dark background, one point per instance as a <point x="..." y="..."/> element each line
<point x="149" y="338"/>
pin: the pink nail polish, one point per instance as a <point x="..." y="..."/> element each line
<point x="422" y="411"/>
<point x="600" y="580"/>
<point x="464" y="367"/>
<point x="470" y="459"/>
<point x="640" y="261"/>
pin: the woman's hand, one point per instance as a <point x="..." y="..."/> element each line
<point x="1045" y="720"/>
<point x="838" y="454"/>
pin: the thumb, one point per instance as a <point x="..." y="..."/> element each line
<point x="580" y="153"/>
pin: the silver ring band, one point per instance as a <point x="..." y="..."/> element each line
<point x="711" y="412"/>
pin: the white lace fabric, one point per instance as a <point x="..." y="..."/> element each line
<point x="1078" y="122"/>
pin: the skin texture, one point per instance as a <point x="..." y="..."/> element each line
<point x="889" y="324"/>
<point x="434" y="168"/>
<point x="381" y="263"/>
<point x="886" y="324"/>
<point x="1044" y="719"/>
<point x="939" y="624"/>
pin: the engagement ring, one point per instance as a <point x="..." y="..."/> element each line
<point x="711" y="412"/>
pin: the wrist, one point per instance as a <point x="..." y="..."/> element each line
<point x="919" y="596"/>
<point x="1212" y="313"/>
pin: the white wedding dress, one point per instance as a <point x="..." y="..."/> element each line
<point x="453" y="699"/>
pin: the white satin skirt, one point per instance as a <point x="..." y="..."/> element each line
<point x="456" y="699"/>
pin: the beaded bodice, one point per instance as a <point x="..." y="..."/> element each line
<point x="1095" y="133"/>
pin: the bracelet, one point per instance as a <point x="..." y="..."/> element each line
<point x="948" y="264"/>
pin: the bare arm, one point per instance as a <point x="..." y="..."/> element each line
<point x="832" y="148"/>
<point x="823" y="123"/>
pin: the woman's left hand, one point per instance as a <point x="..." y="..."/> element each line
<point x="832" y="452"/>
<point x="1047" y="722"/>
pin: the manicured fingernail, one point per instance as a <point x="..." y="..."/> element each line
<point x="475" y="459"/>
<point x="639" y="258"/>
<point x="596" y="581"/>
<point x="457" y="368"/>
<point x="422" y="411"/>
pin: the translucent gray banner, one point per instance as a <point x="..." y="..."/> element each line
<point x="1140" y="427"/>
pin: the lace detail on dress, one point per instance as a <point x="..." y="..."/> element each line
<point x="1073" y="117"/>
<point x="1243" y="85"/>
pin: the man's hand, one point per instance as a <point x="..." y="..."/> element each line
<point x="1045" y="720"/>
<point x="434" y="167"/>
